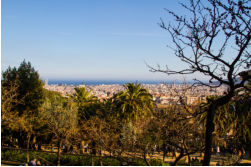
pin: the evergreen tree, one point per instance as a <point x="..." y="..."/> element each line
<point x="30" y="86"/>
<point x="27" y="100"/>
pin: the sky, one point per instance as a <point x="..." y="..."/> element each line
<point x="88" y="39"/>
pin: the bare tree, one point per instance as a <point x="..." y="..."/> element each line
<point x="213" y="41"/>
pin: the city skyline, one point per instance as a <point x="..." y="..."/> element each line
<point x="105" y="40"/>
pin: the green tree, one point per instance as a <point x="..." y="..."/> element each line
<point x="61" y="117"/>
<point x="8" y="102"/>
<point x="135" y="101"/>
<point x="86" y="102"/>
<point x="42" y="134"/>
<point x="132" y="105"/>
<point x="233" y="122"/>
<point x="87" y="105"/>
<point x="30" y="86"/>
<point x="147" y="137"/>
<point x="29" y="98"/>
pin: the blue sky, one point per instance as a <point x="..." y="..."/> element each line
<point x="88" y="39"/>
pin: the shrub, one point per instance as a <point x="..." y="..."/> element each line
<point x="157" y="162"/>
<point x="71" y="160"/>
<point x="111" y="162"/>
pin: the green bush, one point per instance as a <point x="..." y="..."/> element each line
<point x="111" y="162"/>
<point x="182" y="163"/>
<point x="138" y="162"/>
<point x="13" y="155"/>
<point x="157" y="162"/>
<point x="196" y="163"/>
<point x="71" y="160"/>
<point x="20" y="156"/>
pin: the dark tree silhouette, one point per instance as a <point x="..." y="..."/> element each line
<point x="213" y="41"/>
<point x="30" y="86"/>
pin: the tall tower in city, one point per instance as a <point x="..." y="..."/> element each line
<point x="46" y="82"/>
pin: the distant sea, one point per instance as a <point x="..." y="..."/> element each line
<point x="106" y="82"/>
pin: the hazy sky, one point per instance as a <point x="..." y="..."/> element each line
<point x="88" y="39"/>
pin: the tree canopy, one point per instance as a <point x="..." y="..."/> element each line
<point x="30" y="86"/>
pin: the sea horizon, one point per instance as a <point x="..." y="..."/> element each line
<point x="109" y="82"/>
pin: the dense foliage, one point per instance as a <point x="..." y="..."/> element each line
<point x="126" y="129"/>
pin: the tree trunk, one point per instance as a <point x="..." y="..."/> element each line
<point x="33" y="144"/>
<point x="178" y="158"/>
<point x="27" y="147"/>
<point x="164" y="151"/>
<point x="59" y="152"/>
<point x="209" y="134"/>
<point x="39" y="145"/>
<point x="210" y="124"/>
<point x="145" y="159"/>
<point x="188" y="155"/>
<point x="164" y="155"/>
<point x="82" y="144"/>
<point x="92" y="159"/>
<point x="189" y="160"/>
<point x="21" y="141"/>
<point x="100" y="161"/>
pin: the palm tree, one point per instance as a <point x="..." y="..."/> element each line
<point x="88" y="105"/>
<point x="86" y="102"/>
<point x="134" y="101"/>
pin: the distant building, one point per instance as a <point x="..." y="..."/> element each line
<point x="46" y="82"/>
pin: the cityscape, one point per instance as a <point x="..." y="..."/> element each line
<point x="162" y="93"/>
